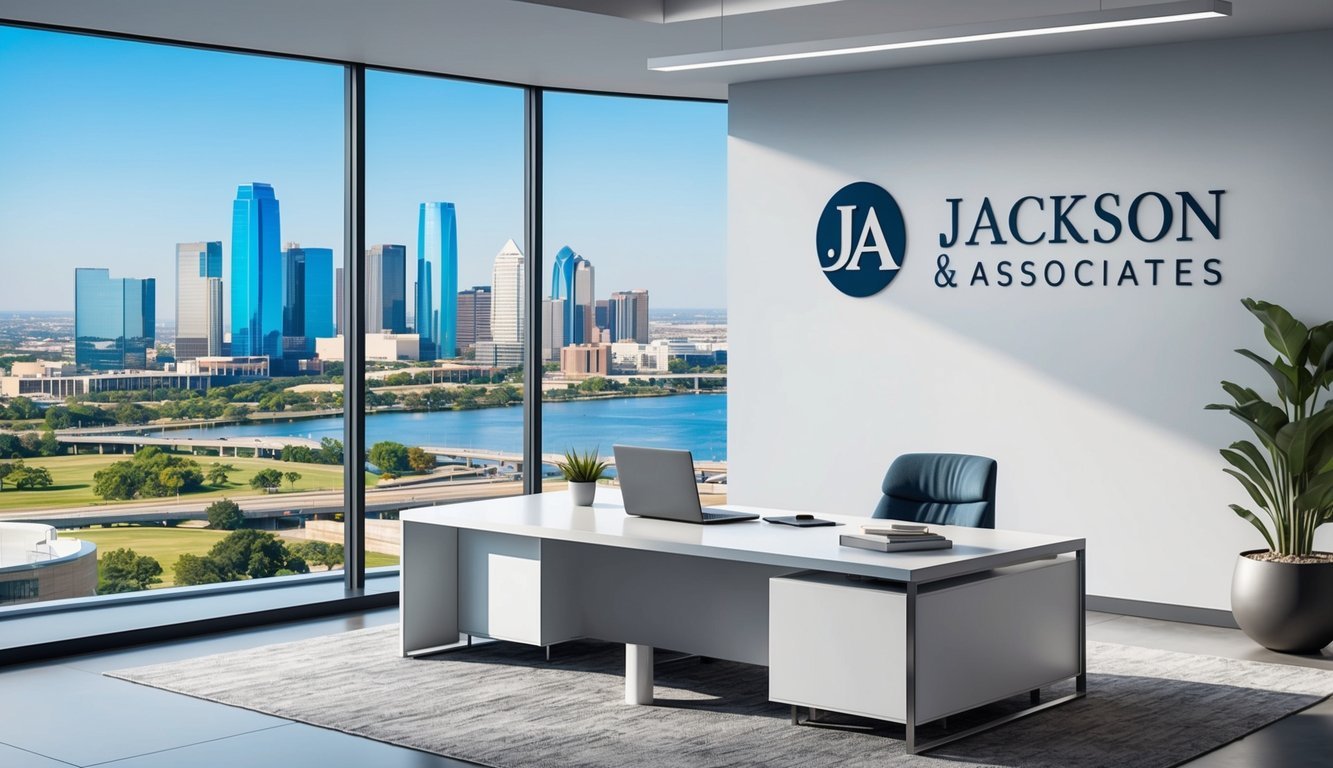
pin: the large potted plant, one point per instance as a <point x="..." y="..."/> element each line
<point x="582" y="470"/>
<point x="1283" y="597"/>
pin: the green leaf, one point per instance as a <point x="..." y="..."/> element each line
<point x="1285" y="378"/>
<point x="1285" y="333"/>
<point x="1250" y="487"/>
<point x="1298" y="438"/>
<point x="1321" y="348"/>
<point x="1260" y="479"/>
<point x="1259" y="460"/>
<point x="1240" y="394"/>
<point x="1246" y="514"/>
<point x="1318" y="496"/>
<point x="1264" y="419"/>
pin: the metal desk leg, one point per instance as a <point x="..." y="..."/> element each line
<point x="638" y="674"/>
<point x="910" y="721"/>
<point x="1081" y="682"/>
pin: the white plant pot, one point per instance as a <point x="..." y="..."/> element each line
<point x="583" y="493"/>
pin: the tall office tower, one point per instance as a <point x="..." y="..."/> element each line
<point x="256" y="273"/>
<point x="339" y="303"/>
<point x="628" y="315"/>
<point x="213" y="311"/>
<point x="474" y="316"/>
<point x="196" y="265"/>
<point x="572" y="280"/>
<point x="553" y="328"/>
<point x="437" y="280"/>
<point x="114" y="320"/>
<point x="386" y="297"/>
<point x="508" y="297"/>
<point x="307" y="312"/>
<point x="601" y="317"/>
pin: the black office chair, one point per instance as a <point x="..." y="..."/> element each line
<point x="940" y="488"/>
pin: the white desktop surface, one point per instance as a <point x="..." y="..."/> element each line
<point x="553" y="516"/>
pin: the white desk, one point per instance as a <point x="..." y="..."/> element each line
<point x="537" y="570"/>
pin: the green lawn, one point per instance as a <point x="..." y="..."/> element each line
<point x="73" y="477"/>
<point x="166" y="545"/>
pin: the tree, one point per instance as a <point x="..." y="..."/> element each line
<point x="318" y="553"/>
<point x="419" y="460"/>
<point x="5" y="470"/>
<point x="330" y="451"/>
<point x="117" y="481"/>
<point x="390" y="457"/>
<point x="266" y="478"/>
<point x="256" y="554"/>
<point x="124" y="570"/>
<point x="225" y="515"/>
<point x="592" y="384"/>
<point x="291" y="478"/>
<point x="27" y="478"/>
<point x="171" y="480"/>
<point x="218" y="474"/>
<point x="193" y="569"/>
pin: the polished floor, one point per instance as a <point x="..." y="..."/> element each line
<point x="66" y="712"/>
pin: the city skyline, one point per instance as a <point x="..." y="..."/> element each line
<point x="169" y="146"/>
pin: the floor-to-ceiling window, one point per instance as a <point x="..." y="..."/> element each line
<point x="171" y="225"/>
<point x="633" y="296"/>
<point x="172" y="228"/>
<point x="445" y="293"/>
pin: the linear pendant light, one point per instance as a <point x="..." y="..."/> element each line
<point x="1133" y="16"/>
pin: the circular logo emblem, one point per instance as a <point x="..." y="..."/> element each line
<point x="861" y="239"/>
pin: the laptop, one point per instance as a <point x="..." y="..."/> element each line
<point x="659" y="483"/>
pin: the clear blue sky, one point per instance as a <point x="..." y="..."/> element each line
<point x="114" y="151"/>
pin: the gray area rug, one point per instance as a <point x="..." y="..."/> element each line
<point x="505" y="705"/>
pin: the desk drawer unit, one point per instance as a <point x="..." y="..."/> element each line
<point x="842" y="645"/>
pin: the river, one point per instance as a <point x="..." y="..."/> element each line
<point x="696" y="422"/>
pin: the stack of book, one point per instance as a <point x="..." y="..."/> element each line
<point x="894" y="537"/>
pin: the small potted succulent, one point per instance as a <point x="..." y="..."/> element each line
<point x="1282" y="596"/>
<point x="582" y="470"/>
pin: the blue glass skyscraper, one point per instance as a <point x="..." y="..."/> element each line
<point x="437" y="280"/>
<point x="572" y="280"/>
<point x="256" y="273"/>
<point x="307" y="313"/>
<point x="114" y="320"/>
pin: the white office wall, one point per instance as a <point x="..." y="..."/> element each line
<point x="1091" y="398"/>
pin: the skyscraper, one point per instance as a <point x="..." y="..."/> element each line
<point x="553" y="328"/>
<point x="307" y="286"/>
<point x="213" y="306"/>
<point x="572" y="280"/>
<point x="256" y="273"/>
<point x="386" y="298"/>
<point x="113" y="320"/>
<point x="437" y="280"/>
<point x="627" y="315"/>
<point x="198" y="320"/>
<point x="474" y="316"/>
<point x="508" y="312"/>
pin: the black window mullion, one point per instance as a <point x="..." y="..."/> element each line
<point x="532" y="280"/>
<point x="354" y="329"/>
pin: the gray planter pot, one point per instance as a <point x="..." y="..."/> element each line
<point x="1284" y="607"/>
<point x="583" y="493"/>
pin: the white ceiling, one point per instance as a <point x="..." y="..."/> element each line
<point x="538" y="44"/>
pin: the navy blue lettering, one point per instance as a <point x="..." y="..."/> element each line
<point x="987" y="214"/>
<point x="1078" y="272"/>
<point x="1211" y="267"/>
<point x="1062" y="219"/>
<point x="1213" y="225"/>
<point x="1108" y="217"/>
<point x="1167" y="217"/>
<point x="1013" y="219"/>
<point x="1006" y="278"/>
<point x="945" y="241"/>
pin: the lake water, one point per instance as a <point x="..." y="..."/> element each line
<point x="696" y="422"/>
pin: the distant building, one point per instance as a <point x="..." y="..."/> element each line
<point x="114" y="320"/>
<point x="378" y="346"/>
<point x="631" y="357"/>
<point x="627" y="315"/>
<point x="56" y="381"/>
<point x="601" y="315"/>
<point x="499" y="354"/>
<point x="256" y="273"/>
<point x="474" y="316"/>
<point x="553" y="328"/>
<point x="386" y="299"/>
<point x="437" y="280"/>
<point x="572" y="279"/>
<point x="38" y="564"/>
<point x="198" y="312"/>
<point x="307" y="312"/>
<point x="508" y="296"/>
<point x="584" y="360"/>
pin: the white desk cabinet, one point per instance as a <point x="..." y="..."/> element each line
<point x="863" y="648"/>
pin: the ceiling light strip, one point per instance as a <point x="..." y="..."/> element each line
<point x="1133" y="16"/>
